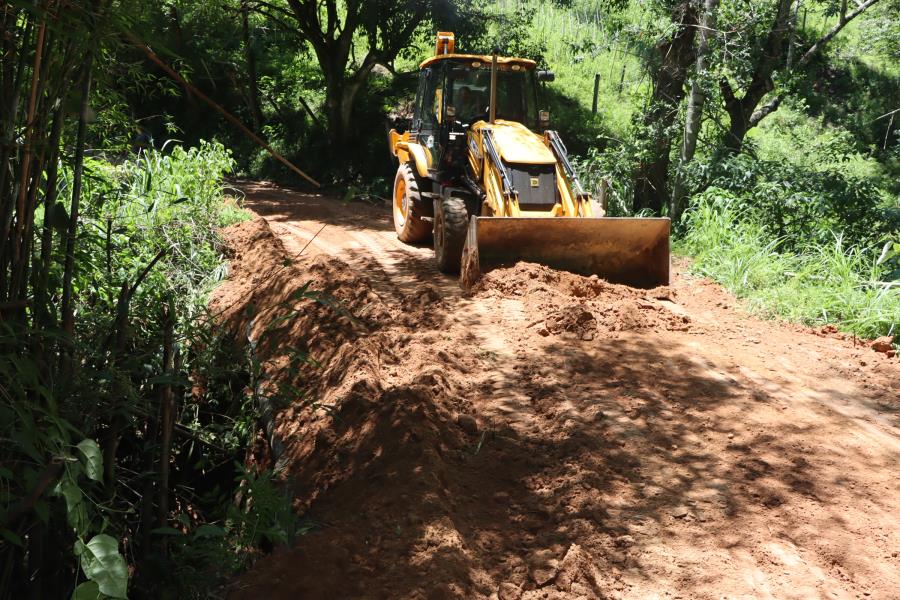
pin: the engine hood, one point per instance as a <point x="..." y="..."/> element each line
<point x="517" y="144"/>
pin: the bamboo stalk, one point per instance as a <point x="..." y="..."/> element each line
<point x="27" y="150"/>
<point x="68" y="316"/>
<point x="8" y="204"/>
<point x="167" y="420"/>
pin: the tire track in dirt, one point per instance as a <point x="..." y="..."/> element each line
<point x="553" y="436"/>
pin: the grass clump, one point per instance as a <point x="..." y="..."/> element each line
<point x="853" y="287"/>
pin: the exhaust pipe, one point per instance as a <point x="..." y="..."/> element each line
<point x="493" y="109"/>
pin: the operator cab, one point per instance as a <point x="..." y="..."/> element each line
<point x="454" y="93"/>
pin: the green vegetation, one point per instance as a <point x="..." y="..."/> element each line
<point x="147" y="255"/>
<point x="786" y="189"/>
<point x="821" y="283"/>
<point x="804" y="220"/>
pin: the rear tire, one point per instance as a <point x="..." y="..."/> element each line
<point x="451" y="220"/>
<point x="408" y="209"/>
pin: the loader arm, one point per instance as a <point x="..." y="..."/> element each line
<point x="580" y="199"/>
<point x="502" y="198"/>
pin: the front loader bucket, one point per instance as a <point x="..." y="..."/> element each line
<point x="634" y="252"/>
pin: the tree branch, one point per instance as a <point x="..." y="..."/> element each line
<point x="727" y="92"/>
<point x="820" y="43"/>
<point x="268" y="14"/>
<point x="137" y="43"/>
<point x="146" y="271"/>
<point x="764" y="111"/>
<point x="770" y="107"/>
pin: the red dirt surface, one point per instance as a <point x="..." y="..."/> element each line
<point x="549" y="435"/>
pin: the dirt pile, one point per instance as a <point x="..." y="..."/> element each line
<point x="380" y="442"/>
<point x="276" y="301"/>
<point x="582" y="307"/>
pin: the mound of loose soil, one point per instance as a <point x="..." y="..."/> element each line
<point x="582" y="306"/>
<point x="381" y="433"/>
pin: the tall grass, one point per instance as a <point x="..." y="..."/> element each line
<point x="829" y="283"/>
<point x="585" y="40"/>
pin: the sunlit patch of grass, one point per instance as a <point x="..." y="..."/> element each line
<point x="829" y="283"/>
<point x="579" y="46"/>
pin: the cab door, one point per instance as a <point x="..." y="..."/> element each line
<point x="428" y="111"/>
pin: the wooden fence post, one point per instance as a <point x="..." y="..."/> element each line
<point x="604" y="195"/>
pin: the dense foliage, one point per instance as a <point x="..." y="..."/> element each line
<point x="818" y="283"/>
<point x="113" y="455"/>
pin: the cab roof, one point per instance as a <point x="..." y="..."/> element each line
<point x="525" y="63"/>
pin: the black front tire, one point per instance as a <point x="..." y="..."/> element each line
<point x="451" y="220"/>
<point x="408" y="211"/>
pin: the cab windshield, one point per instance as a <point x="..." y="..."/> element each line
<point x="469" y="93"/>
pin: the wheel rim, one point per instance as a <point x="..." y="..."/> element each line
<point x="401" y="202"/>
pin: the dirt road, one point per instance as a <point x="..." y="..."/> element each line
<point x="553" y="436"/>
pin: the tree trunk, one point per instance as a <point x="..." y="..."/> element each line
<point x="337" y="111"/>
<point x="740" y="110"/>
<point x="697" y="99"/>
<point x="675" y="57"/>
<point x="252" y="77"/>
<point x="350" y="89"/>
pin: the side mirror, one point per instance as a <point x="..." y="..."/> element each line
<point x="544" y="117"/>
<point x="545" y="76"/>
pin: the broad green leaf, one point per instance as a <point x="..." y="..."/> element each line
<point x="101" y="562"/>
<point x="208" y="531"/>
<point x="71" y="492"/>
<point x="12" y="537"/>
<point x="89" y="590"/>
<point x="93" y="459"/>
<point x="76" y="513"/>
<point x="78" y="518"/>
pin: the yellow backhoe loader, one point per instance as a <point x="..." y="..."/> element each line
<point x="483" y="174"/>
